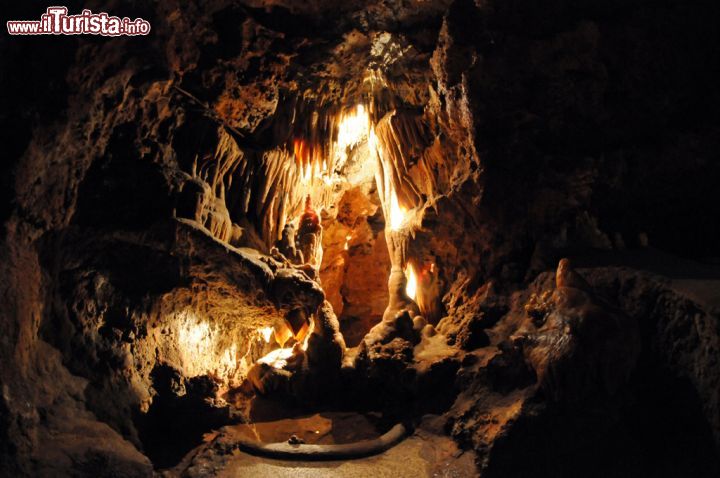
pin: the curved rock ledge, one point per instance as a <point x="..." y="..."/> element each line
<point x="310" y="452"/>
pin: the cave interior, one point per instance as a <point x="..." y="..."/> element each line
<point x="389" y="238"/>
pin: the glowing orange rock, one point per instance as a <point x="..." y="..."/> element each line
<point x="309" y="238"/>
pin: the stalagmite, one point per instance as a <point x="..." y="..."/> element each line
<point x="309" y="235"/>
<point x="286" y="245"/>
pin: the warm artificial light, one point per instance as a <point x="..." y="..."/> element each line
<point x="353" y="127"/>
<point x="411" y="287"/>
<point x="267" y="333"/>
<point x="277" y="358"/>
<point x="398" y="215"/>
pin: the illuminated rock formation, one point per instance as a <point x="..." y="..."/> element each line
<point x="309" y="236"/>
<point x="362" y="206"/>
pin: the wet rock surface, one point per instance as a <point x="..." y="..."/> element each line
<point x="426" y="453"/>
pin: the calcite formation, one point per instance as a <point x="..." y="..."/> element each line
<point x="310" y="236"/>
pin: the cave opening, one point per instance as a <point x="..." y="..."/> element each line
<point x="335" y="208"/>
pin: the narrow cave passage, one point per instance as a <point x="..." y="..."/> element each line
<point x="335" y="206"/>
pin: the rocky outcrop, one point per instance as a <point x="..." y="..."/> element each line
<point x="577" y="366"/>
<point x="576" y="344"/>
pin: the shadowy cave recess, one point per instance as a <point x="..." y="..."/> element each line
<point x="271" y="221"/>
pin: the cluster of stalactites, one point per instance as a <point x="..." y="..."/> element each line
<point x="410" y="174"/>
<point x="320" y="148"/>
<point x="311" y="165"/>
<point x="202" y="197"/>
<point x="265" y="190"/>
<point x="269" y="191"/>
<point x="262" y="192"/>
<point x="274" y="184"/>
<point x="410" y="165"/>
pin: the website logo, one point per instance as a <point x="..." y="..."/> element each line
<point x="56" y="21"/>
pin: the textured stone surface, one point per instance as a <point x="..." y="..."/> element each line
<point x="426" y="453"/>
<point x="548" y="381"/>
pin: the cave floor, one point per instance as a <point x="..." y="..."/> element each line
<point x="427" y="453"/>
<point x="410" y="458"/>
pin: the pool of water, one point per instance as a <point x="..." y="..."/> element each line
<point x="324" y="428"/>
